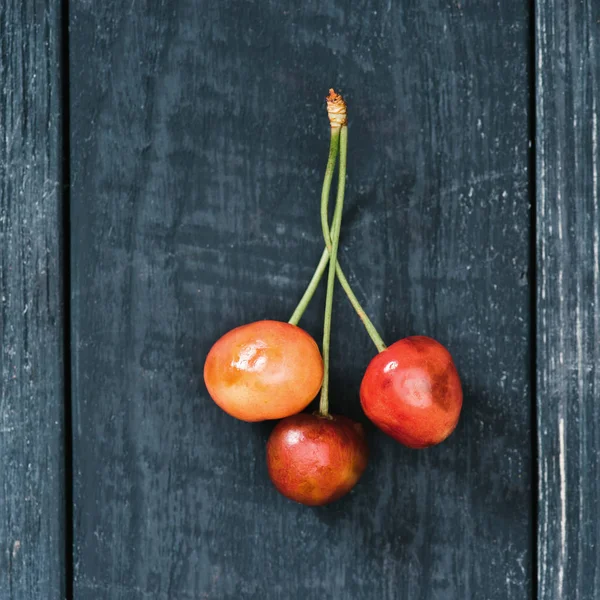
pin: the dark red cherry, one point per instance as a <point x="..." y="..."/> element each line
<point x="315" y="460"/>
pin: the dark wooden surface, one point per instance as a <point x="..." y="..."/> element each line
<point x="32" y="524"/>
<point x="198" y="136"/>
<point x="568" y="320"/>
<point x="198" y="139"/>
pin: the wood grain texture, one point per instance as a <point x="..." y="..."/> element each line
<point x="199" y="139"/>
<point x="568" y="318"/>
<point x="31" y="315"/>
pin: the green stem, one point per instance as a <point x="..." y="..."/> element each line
<point x="314" y="283"/>
<point x="310" y="289"/>
<point x="335" y="241"/>
<point x="371" y="330"/>
<point x="334" y="146"/>
<point x="320" y="270"/>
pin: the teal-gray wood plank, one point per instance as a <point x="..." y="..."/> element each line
<point x="199" y="138"/>
<point x="32" y="522"/>
<point x="568" y="298"/>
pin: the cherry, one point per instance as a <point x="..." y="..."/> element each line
<point x="315" y="460"/>
<point x="412" y="392"/>
<point x="264" y="370"/>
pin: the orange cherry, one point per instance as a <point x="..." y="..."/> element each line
<point x="315" y="460"/>
<point x="412" y="392"/>
<point x="264" y="370"/>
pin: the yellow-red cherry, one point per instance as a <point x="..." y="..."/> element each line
<point x="264" y="370"/>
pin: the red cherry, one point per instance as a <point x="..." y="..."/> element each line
<point x="264" y="370"/>
<point x="315" y="460"/>
<point x="412" y="392"/>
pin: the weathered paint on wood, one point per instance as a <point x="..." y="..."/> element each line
<point x="198" y="140"/>
<point x="568" y="298"/>
<point x="31" y="316"/>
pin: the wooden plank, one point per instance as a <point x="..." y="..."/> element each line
<point x="568" y="298"/>
<point x="32" y="522"/>
<point x="199" y="138"/>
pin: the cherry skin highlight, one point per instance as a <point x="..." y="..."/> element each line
<point x="315" y="460"/>
<point x="412" y="392"/>
<point x="264" y="370"/>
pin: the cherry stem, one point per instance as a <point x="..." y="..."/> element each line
<point x="310" y="288"/>
<point x="320" y="270"/>
<point x="334" y="146"/>
<point x="362" y="315"/>
<point x="335" y="242"/>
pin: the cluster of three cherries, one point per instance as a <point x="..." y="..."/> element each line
<point x="273" y="370"/>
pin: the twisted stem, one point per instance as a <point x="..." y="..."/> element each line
<point x="335" y="241"/>
<point x="334" y="146"/>
<point x="327" y="237"/>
